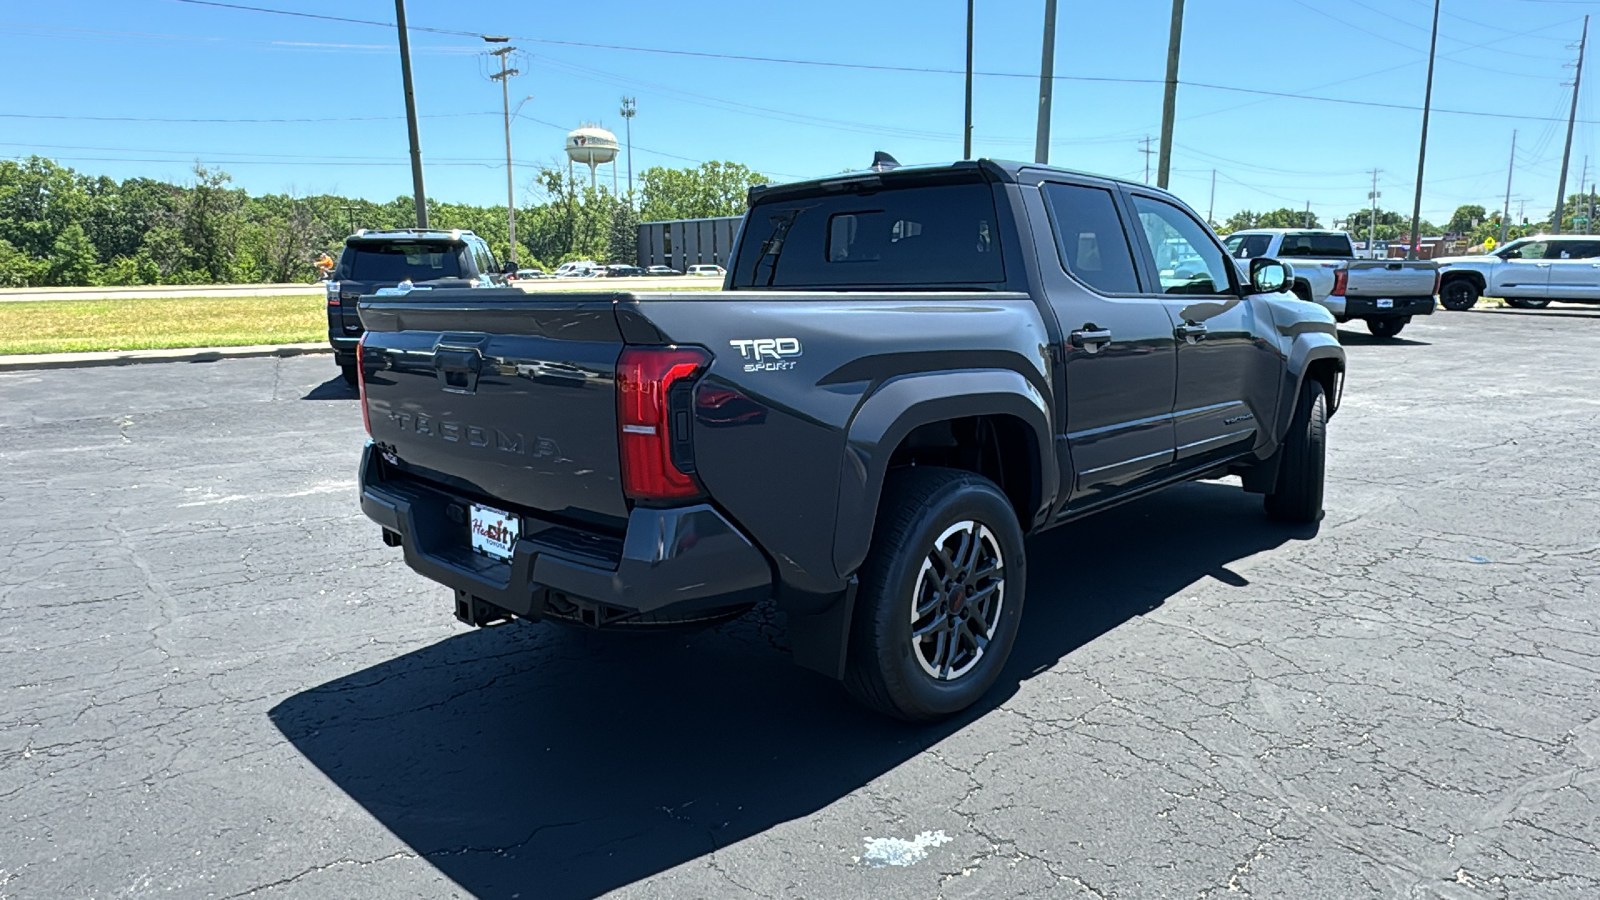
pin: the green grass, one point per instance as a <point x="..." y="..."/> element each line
<point x="140" y="323"/>
<point x="157" y="323"/>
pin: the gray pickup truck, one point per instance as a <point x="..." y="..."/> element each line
<point x="1384" y="293"/>
<point x="908" y="370"/>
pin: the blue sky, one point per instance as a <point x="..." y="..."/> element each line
<point x="91" y="65"/>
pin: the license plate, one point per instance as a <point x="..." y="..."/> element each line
<point x="494" y="533"/>
<point x="1386" y="303"/>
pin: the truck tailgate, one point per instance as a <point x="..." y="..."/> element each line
<point x="502" y="394"/>
<point x="1391" y="278"/>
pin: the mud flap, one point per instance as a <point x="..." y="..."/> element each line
<point x="820" y="640"/>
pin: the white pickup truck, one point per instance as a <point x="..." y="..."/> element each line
<point x="1527" y="273"/>
<point x="1384" y="293"/>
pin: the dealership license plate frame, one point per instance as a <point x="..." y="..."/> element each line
<point x="484" y="523"/>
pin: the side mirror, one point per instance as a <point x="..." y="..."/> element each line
<point x="508" y="268"/>
<point x="1269" y="276"/>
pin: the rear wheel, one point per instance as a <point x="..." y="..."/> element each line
<point x="351" y="376"/>
<point x="1387" y="328"/>
<point x="1534" y="304"/>
<point x="1460" y="294"/>
<point x="1297" y="497"/>
<point x="1516" y="304"/>
<point x="940" y="597"/>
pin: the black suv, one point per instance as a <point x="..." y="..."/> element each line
<point x="424" y="258"/>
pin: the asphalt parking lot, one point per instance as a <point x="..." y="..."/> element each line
<point x="219" y="683"/>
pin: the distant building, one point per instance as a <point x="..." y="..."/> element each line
<point x="681" y="243"/>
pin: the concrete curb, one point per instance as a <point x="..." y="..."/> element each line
<point x="26" y="361"/>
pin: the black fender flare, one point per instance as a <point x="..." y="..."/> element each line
<point x="1308" y="348"/>
<point x="901" y="404"/>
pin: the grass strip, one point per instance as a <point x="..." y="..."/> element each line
<point x="159" y="323"/>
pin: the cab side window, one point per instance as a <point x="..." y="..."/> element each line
<point x="1089" y="233"/>
<point x="1187" y="260"/>
<point x="1577" y="249"/>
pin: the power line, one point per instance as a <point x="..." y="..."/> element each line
<point x="924" y="70"/>
<point x="233" y="121"/>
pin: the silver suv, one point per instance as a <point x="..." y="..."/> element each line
<point x="1527" y="273"/>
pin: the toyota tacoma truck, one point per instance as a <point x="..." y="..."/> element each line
<point x="908" y="370"/>
<point x="1384" y="293"/>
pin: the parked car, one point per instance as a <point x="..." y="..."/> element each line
<point x="656" y="271"/>
<point x="716" y="271"/>
<point x="1385" y="294"/>
<point x="385" y="259"/>
<point x="624" y="271"/>
<point x="1527" y="273"/>
<point x="529" y="274"/>
<point x="669" y="459"/>
<point x="581" y="268"/>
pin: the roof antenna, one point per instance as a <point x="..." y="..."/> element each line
<point x="883" y="162"/>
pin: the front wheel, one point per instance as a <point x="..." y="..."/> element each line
<point x="1459" y="295"/>
<point x="1297" y="497"/>
<point x="940" y="596"/>
<point x="351" y="376"/>
<point x="1387" y="328"/>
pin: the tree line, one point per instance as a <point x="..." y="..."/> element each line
<point x="1472" y="222"/>
<point x="62" y="227"/>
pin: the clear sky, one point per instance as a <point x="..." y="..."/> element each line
<point x="146" y="87"/>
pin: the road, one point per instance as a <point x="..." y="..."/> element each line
<point x="219" y="682"/>
<point x="276" y="290"/>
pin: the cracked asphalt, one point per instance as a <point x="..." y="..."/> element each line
<point x="219" y="683"/>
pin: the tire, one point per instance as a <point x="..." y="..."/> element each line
<point x="1297" y="497"/>
<point x="928" y="518"/>
<point x="1458" y="295"/>
<point x="1534" y="304"/>
<point x="1516" y="304"/>
<point x="351" y="376"/>
<point x="1387" y="328"/>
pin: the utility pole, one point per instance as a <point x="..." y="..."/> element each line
<point x="1583" y="180"/>
<point x="504" y="77"/>
<point x="1212" y="208"/>
<point x="1510" y="167"/>
<point x="1372" y="223"/>
<point x="1522" y="210"/>
<point x="418" y="193"/>
<point x="1308" y="214"/>
<point x="1169" y="99"/>
<point x="1147" y="154"/>
<point x="966" y="132"/>
<point x="629" y="110"/>
<point x="350" y="214"/>
<point x="1572" y="118"/>
<point x="1047" y="65"/>
<point x="1422" y="149"/>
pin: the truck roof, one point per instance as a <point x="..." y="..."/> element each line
<point x="1008" y="171"/>
<point x="1289" y="231"/>
<point x="437" y="234"/>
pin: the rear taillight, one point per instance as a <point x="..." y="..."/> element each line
<point x="655" y="399"/>
<point x="361" y="381"/>
<point x="1341" y="277"/>
<point x="333" y="293"/>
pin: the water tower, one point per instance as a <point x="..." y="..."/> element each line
<point x="594" y="147"/>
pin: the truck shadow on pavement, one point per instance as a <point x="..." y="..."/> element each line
<point x="556" y="763"/>
<point x="1362" y="339"/>
<point x="334" y="388"/>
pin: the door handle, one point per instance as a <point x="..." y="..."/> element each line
<point x="1090" y="337"/>
<point x="1190" y="332"/>
<point x="1543" y="265"/>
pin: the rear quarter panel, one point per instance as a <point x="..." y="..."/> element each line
<point x="773" y="461"/>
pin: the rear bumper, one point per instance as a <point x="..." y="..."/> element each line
<point x="1367" y="307"/>
<point x="344" y="349"/>
<point x="672" y="565"/>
